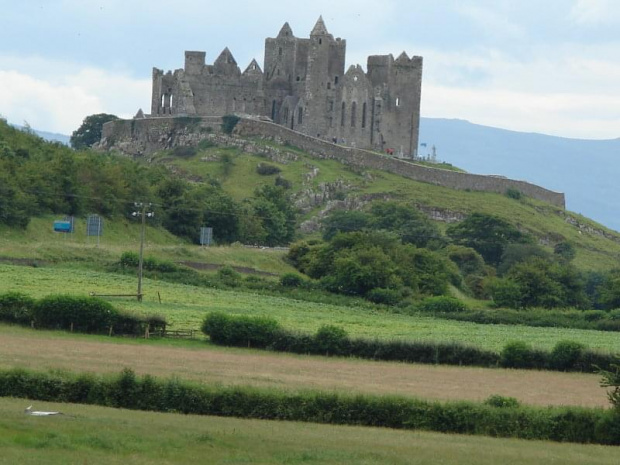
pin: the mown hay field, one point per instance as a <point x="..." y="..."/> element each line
<point x="200" y="361"/>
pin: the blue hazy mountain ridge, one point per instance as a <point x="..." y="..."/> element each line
<point x="49" y="136"/>
<point x="586" y="171"/>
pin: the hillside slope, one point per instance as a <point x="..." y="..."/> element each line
<point x="585" y="170"/>
<point x="319" y="186"/>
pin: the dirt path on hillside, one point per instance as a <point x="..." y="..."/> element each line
<point x="236" y="366"/>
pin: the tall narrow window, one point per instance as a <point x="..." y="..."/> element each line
<point x="280" y="51"/>
<point x="364" y="115"/>
<point x="273" y="110"/>
<point x="342" y="116"/>
<point x="397" y="101"/>
<point x="300" y="115"/>
<point x="353" y="114"/>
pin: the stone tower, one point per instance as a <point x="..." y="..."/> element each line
<point x="304" y="87"/>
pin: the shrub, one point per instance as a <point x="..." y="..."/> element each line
<point x="284" y="183"/>
<point x="229" y="276"/>
<point x="611" y="379"/>
<point x="184" y="152"/>
<point x="384" y="296"/>
<point x="594" y="315"/>
<point x="241" y="331"/>
<point x="518" y="354"/>
<point x="228" y="123"/>
<point x="129" y="259"/>
<point x="291" y="280"/>
<point x="205" y="144"/>
<point x="331" y="340"/>
<point x="442" y="304"/>
<point x="16" y="308"/>
<point x="265" y="169"/>
<point x="565" y="355"/>
<point x="502" y="401"/>
<point x="85" y="314"/>
<point x="513" y="193"/>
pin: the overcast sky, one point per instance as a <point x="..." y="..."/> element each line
<point x="548" y="66"/>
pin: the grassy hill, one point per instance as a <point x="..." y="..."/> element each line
<point x="317" y="183"/>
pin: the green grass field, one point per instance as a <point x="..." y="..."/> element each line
<point x="186" y="306"/>
<point x="96" y="435"/>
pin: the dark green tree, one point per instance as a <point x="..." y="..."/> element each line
<point x="344" y="221"/>
<point x="89" y="133"/>
<point x="487" y="234"/>
<point x="411" y="225"/>
<point x="273" y="205"/>
<point x="610" y="290"/>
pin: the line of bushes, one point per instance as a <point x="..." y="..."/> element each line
<point x="266" y="333"/>
<point x="74" y="313"/>
<point x="503" y="419"/>
<point x="578" y="319"/>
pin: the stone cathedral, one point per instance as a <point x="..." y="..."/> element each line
<point x="304" y="87"/>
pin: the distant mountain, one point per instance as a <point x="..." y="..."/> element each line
<point x="587" y="171"/>
<point x="49" y="136"/>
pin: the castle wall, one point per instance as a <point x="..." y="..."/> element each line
<point x="146" y="136"/>
<point x="304" y="87"/>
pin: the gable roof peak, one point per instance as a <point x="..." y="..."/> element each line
<point x="319" y="28"/>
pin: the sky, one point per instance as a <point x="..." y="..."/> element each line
<point x="546" y="66"/>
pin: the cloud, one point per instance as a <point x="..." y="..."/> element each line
<point x="60" y="102"/>
<point x="568" y="115"/>
<point x="594" y="12"/>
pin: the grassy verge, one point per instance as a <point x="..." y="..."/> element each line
<point x="105" y="436"/>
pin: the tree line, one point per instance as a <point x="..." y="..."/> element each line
<point x="39" y="178"/>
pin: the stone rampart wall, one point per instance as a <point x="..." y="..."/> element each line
<point x="142" y="137"/>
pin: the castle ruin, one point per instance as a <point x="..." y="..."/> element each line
<point x="304" y="87"/>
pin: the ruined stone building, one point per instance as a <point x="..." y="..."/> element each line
<point x="304" y="87"/>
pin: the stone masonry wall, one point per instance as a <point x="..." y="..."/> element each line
<point x="144" y="137"/>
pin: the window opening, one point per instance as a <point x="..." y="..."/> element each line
<point x="353" y="114"/>
<point x="364" y="115"/>
<point x="342" y="115"/>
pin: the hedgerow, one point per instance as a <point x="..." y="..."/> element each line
<point x="507" y="419"/>
<point x="266" y="333"/>
<point x="75" y="313"/>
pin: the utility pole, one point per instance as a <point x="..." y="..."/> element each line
<point x="143" y="213"/>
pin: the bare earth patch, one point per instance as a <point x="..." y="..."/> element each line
<point x="41" y="350"/>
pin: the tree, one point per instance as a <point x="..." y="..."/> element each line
<point x="539" y="282"/>
<point x="611" y="379"/>
<point x="89" y="133"/>
<point x="487" y="234"/>
<point x="609" y="290"/>
<point x="519" y="253"/>
<point x="344" y="221"/>
<point x="278" y="216"/>
<point x="410" y="224"/>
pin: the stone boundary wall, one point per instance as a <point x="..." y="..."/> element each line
<point x="142" y="137"/>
